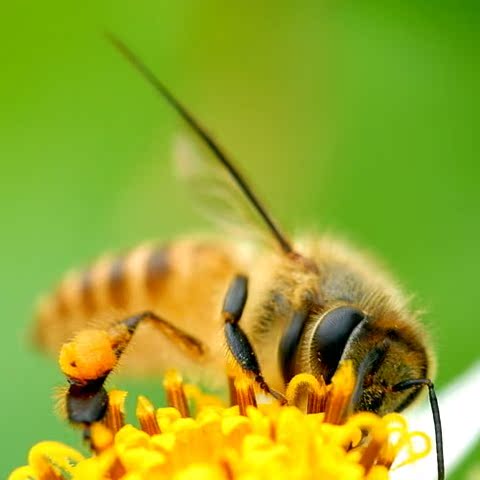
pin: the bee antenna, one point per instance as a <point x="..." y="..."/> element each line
<point x="150" y="77"/>
<point x="436" y="417"/>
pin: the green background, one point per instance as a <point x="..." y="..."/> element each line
<point x="353" y="117"/>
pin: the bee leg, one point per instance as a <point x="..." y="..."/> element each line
<point x="87" y="399"/>
<point x="86" y="402"/>
<point x="237" y="341"/>
<point x="189" y="344"/>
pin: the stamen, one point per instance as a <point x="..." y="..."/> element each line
<point x="23" y="473"/>
<point x="244" y="393"/>
<point x="175" y="393"/>
<point x="166" y="417"/>
<point x="305" y="387"/>
<point x="341" y="390"/>
<point x="231" y="389"/>
<point x="397" y="436"/>
<point x="50" y="459"/>
<point x="115" y="418"/>
<point x="106" y="465"/>
<point x="416" y="452"/>
<point x="267" y="441"/>
<point x="403" y="445"/>
<point x="101" y="437"/>
<point x="378" y="438"/>
<point x="146" y="416"/>
<point x="201" y="399"/>
<point x="233" y="371"/>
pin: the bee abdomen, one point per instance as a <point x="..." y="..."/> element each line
<point x="112" y="283"/>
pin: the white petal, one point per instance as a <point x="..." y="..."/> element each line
<point x="460" y="423"/>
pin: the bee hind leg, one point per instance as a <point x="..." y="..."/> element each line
<point x="87" y="400"/>
<point x="187" y="343"/>
<point x="237" y="340"/>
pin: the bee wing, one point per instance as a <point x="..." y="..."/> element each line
<point x="215" y="193"/>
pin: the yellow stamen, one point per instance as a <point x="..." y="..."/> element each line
<point x="115" y="418"/>
<point x="340" y="393"/>
<point x="175" y="393"/>
<point x="201" y="399"/>
<point x="378" y="437"/>
<point x="397" y="429"/>
<point x="146" y="416"/>
<point x="23" y="473"/>
<point x="242" y="442"/>
<point x="401" y="439"/>
<point x="232" y="391"/>
<point x="245" y="394"/>
<point x="47" y="461"/>
<point x="233" y="371"/>
<point x="101" y="437"/>
<point x="166" y="417"/>
<point x="414" y="451"/>
<point x="305" y="387"/>
<point x="100" y="467"/>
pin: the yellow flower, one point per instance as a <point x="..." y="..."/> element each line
<point x="313" y="436"/>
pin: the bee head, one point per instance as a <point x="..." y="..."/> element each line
<point x="384" y="352"/>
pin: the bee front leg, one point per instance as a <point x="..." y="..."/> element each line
<point x="237" y="340"/>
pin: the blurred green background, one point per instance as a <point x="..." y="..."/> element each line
<point x="356" y="117"/>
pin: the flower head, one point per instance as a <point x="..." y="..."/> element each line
<point x="313" y="436"/>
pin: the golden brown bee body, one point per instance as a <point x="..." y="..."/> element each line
<point x="183" y="282"/>
<point x="186" y="283"/>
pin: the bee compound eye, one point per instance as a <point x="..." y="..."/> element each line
<point x="332" y="335"/>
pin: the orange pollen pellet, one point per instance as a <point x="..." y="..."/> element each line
<point x="88" y="356"/>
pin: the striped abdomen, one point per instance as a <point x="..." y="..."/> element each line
<point x="183" y="282"/>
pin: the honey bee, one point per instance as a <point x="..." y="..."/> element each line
<point x="305" y="306"/>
